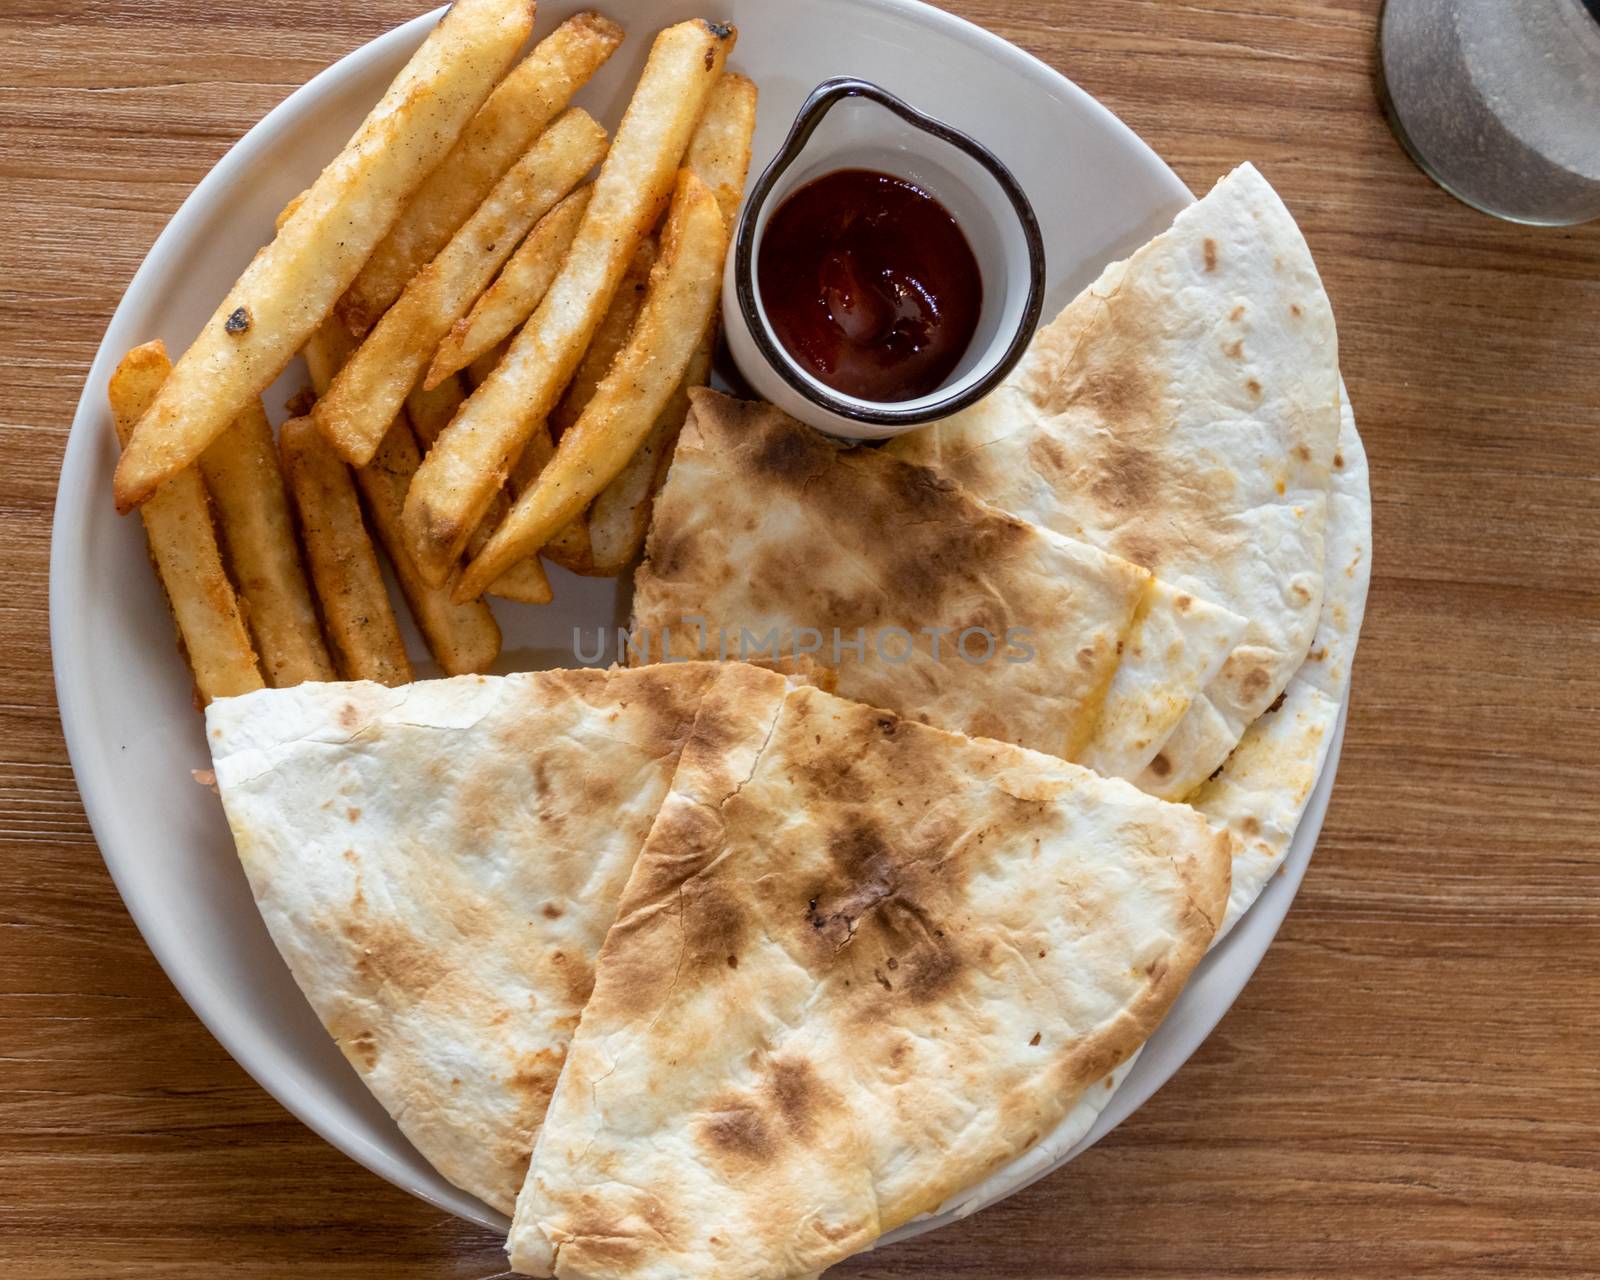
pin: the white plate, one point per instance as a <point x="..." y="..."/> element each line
<point x="125" y="701"/>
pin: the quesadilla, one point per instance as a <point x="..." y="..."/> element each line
<point x="439" y="863"/>
<point x="1260" y="794"/>
<point x="860" y="964"/>
<point x="1182" y="413"/>
<point x="770" y="534"/>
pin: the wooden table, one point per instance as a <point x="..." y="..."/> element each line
<point x="1411" y="1083"/>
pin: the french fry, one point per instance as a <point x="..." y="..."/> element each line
<point x="461" y="473"/>
<point x="510" y="300"/>
<point x="295" y="281"/>
<point x="678" y="307"/>
<point x="719" y="151"/>
<point x="477" y="373"/>
<point x="431" y="408"/>
<point x="370" y="389"/>
<point x="325" y="353"/>
<point x="525" y="580"/>
<point x="344" y="566"/>
<point x="609" y="339"/>
<point x="571" y="547"/>
<point x="522" y="105"/>
<point x="242" y="472"/>
<point x="719" y="154"/>
<point x="463" y="637"/>
<point x="430" y="411"/>
<point x="619" y="517"/>
<point x="183" y="546"/>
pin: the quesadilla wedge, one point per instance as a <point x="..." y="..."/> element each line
<point x="1182" y="413"/>
<point x="860" y="964"/>
<point x="770" y="534"/>
<point x="1260" y="794"/>
<point x="438" y="864"/>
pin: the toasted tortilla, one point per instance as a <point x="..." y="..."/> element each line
<point x="1260" y="794"/>
<point x="969" y="619"/>
<point x="1182" y="413"/>
<point x="860" y="964"/>
<point x="439" y="863"/>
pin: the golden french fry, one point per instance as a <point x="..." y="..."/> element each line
<point x="619" y="517"/>
<point x="463" y="638"/>
<point x="430" y="410"/>
<point x="461" y="473"/>
<point x="344" y="566"/>
<point x="719" y="154"/>
<point x="609" y="338"/>
<point x="183" y="546"/>
<point x="571" y="546"/>
<point x="531" y="96"/>
<point x="325" y="353"/>
<point x="370" y="389"/>
<point x="510" y="300"/>
<point x="242" y="472"/>
<point x="524" y="581"/>
<point x="719" y="151"/>
<point x="677" y="309"/>
<point x="294" y="282"/>
<point x="477" y="373"/>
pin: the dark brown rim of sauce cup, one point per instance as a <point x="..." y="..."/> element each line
<point x="823" y="99"/>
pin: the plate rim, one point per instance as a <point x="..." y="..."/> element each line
<point x="1240" y="953"/>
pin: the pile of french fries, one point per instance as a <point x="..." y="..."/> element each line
<point x="499" y="351"/>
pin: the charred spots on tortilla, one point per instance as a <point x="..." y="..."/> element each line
<point x="882" y="981"/>
<point x="551" y="911"/>
<point x="1277" y="702"/>
<point x="1161" y="766"/>
<point x="1129" y="479"/>
<point x="931" y="971"/>
<point x="1234" y="350"/>
<point x="1037" y="1037"/>
<point x="238" y="321"/>
<point x="1338" y="461"/>
<point x="737" y="1128"/>
<point x="1237" y="314"/>
<point x="1046" y="454"/>
<point x="788" y="453"/>
<point x="796" y="1094"/>
<point x="714" y="923"/>
<point x="1255" y="682"/>
<point x="733" y="962"/>
<point x="1296" y="310"/>
<point x="1211" y="254"/>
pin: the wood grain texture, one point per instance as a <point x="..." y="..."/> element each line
<point x="1410" y="1086"/>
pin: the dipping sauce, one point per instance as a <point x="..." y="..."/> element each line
<point x="870" y="285"/>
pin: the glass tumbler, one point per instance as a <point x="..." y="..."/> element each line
<point x="1498" y="101"/>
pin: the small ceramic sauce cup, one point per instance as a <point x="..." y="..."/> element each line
<point x="854" y="124"/>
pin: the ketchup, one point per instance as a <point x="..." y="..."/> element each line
<point x="870" y="284"/>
